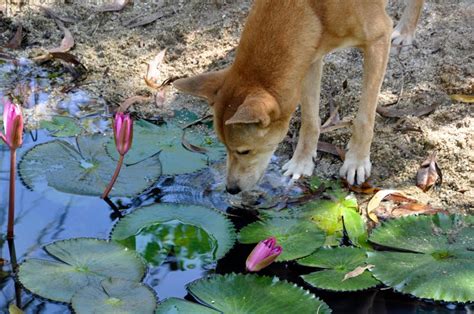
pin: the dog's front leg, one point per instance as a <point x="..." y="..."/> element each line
<point x="302" y="162"/>
<point x="404" y="34"/>
<point x="357" y="165"/>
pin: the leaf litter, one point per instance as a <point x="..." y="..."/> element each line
<point x="429" y="173"/>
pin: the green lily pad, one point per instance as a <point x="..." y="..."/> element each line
<point x="254" y="294"/>
<point x="129" y="230"/>
<point x="150" y="139"/>
<point x="78" y="263"/>
<point x="179" y="306"/>
<point x="85" y="170"/>
<point x="440" y="264"/>
<point x="337" y="262"/>
<point x="61" y="126"/>
<point x="114" y="296"/>
<point x="331" y="216"/>
<point x="297" y="237"/>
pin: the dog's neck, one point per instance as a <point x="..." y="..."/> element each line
<point x="277" y="48"/>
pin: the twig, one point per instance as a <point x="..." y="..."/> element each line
<point x="198" y="121"/>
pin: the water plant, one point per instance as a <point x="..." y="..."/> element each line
<point x="123" y="135"/>
<point x="264" y="253"/>
<point x="13" y="138"/>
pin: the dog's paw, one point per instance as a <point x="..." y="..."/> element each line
<point x="355" y="170"/>
<point x="402" y="39"/>
<point x="297" y="168"/>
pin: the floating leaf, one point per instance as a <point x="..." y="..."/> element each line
<point x="429" y="173"/>
<point x="254" y="294"/>
<point x="85" y="170"/>
<point x="149" y="139"/>
<point x="177" y="306"/>
<point x="212" y="222"/>
<point x="440" y="261"/>
<point x="297" y="237"/>
<point x="61" y="126"/>
<point x="355" y="227"/>
<point x="114" y="296"/>
<point x="78" y="263"/>
<point x="338" y="262"/>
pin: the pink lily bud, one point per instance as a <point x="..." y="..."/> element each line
<point x="123" y="132"/>
<point x="13" y="125"/>
<point x="264" y="253"/>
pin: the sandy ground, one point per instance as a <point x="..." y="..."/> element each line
<point x="201" y="36"/>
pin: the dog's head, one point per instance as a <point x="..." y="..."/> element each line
<point x="247" y="119"/>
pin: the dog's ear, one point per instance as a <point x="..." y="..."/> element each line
<point x="203" y="85"/>
<point x="260" y="108"/>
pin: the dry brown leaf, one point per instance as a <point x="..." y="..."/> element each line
<point x="160" y="97"/>
<point x="331" y="149"/>
<point x="364" y="188"/>
<point x="357" y="272"/>
<point x="117" y="5"/>
<point x="130" y="101"/>
<point x="153" y="70"/>
<point x="142" y="21"/>
<point x="400" y="113"/>
<point x="15" y="42"/>
<point x="429" y="173"/>
<point x="68" y="41"/>
<point x="463" y="98"/>
<point x="374" y="203"/>
<point x="192" y="148"/>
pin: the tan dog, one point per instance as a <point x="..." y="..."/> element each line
<point x="278" y="65"/>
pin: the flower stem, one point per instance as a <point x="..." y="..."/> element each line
<point x="114" y="177"/>
<point x="11" y="201"/>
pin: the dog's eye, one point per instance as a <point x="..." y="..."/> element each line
<point x="245" y="152"/>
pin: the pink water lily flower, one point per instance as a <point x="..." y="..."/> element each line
<point x="264" y="253"/>
<point x="123" y="132"/>
<point x="13" y="125"/>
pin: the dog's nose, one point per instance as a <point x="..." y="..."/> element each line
<point x="233" y="190"/>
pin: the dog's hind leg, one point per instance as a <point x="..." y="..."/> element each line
<point x="302" y="162"/>
<point x="357" y="165"/>
<point x="404" y="33"/>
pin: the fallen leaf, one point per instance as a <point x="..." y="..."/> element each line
<point x="160" y="97"/>
<point x="13" y="309"/>
<point x="15" y="42"/>
<point x="331" y="149"/>
<point x="192" y="148"/>
<point x="357" y="272"/>
<point x="68" y="41"/>
<point x="132" y="100"/>
<point x="429" y="173"/>
<point x="153" y="70"/>
<point x="334" y="122"/>
<point x="117" y="5"/>
<point x="374" y="203"/>
<point x="364" y="188"/>
<point x="142" y="21"/>
<point x="48" y="12"/>
<point x="463" y="98"/>
<point x="399" y="113"/>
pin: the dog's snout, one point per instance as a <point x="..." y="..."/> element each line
<point x="233" y="190"/>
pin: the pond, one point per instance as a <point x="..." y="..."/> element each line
<point x="52" y="204"/>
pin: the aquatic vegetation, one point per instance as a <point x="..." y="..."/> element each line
<point x="264" y="253"/>
<point x="175" y="305"/>
<point x="76" y="264"/>
<point x="434" y="257"/>
<point x="233" y="293"/>
<point x="60" y="126"/>
<point x="336" y="264"/>
<point x="123" y="136"/>
<point x="297" y="237"/>
<point x="13" y="138"/>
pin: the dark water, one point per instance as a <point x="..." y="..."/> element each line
<point x="45" y="215"/>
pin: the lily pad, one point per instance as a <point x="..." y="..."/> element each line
<point x="177" y="306"/>
<point x="254" y="294"/>
<point x="79" y="263"/>
<point x="114" y="296"/>
<point x="127" y="231"/>
<point x="61" y="126"/>
<point x="328" y="215"/>
<point x="297" y="237"/>
<point x="440" y="261"/>
<point x="337" y="262"/>
<point x="165" y="139"/>
<point x="85" y="170"/>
